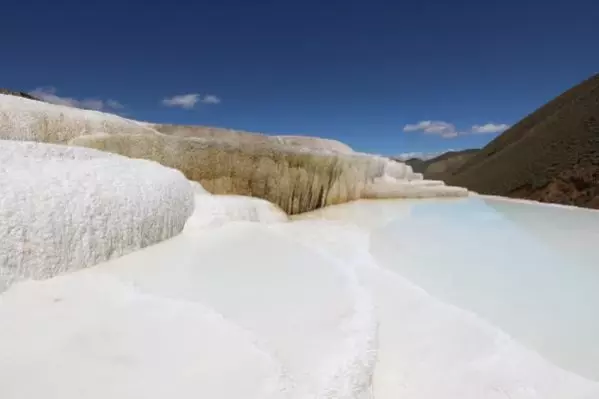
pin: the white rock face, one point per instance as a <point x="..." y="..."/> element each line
<point x="391" y="168"/>
<point x="216" y="210"/>
<point x="397" y="170"/>
<point x="390" y="188"/>
<point x="30" y="120"/>
<point x="66" y="208"/>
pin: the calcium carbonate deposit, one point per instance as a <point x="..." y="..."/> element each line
<point x="216" y="210"/>
<point x="285" y="310"/>
<point x="64" y="208"/>
<point x="24" y="119"/>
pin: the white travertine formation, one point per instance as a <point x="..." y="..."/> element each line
<point x="286" y="311"/>
<point x="216" y="210"/>
<point x="65" y="208"/>
<point x="336" y="175"/>
<point x="96" y="336"/>
<point x="30" y="120"/>
<point x="397" y="170"/>
<point x="416" y="176"/>
<point x="316" y="144"/>
<point x="294" y="180"/>
<point x="240" y="311"/>
<point x="388" y="187"/>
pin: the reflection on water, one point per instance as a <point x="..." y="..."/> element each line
<point x="531" y="270"/>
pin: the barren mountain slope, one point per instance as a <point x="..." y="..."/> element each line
<point x="442" y="165"/>
<point x="552" y="155"/>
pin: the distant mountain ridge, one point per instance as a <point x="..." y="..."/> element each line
<point x="440" y="165"/>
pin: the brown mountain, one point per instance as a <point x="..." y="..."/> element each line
<point x="441" y="166"/>
<point x="552" y="155"/>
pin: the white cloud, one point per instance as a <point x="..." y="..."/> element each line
<point x="188" y="101"/>
<point x="48" y="94"/>
<point x="211" y="99"/>
<point x="448" y="130"/>
<point x="420" y="155"/>
<point x="443" y="129"/>
<point x="114" y="104"/>
<point x="490" y="128"/>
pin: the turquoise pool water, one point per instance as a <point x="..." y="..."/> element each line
<point x="530" y="270"/>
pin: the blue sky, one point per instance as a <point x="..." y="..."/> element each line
<point x="358" y="71"/>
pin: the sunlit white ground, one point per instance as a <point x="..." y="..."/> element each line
<point x="465" y="299"/>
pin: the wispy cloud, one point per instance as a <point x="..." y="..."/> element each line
<point x="420" y="155"/>
<point x="49" y="94"/>
<point x="211" y="99"/>
<point x="440" y="128"/>
<point x="188" y="101"/>
<point x="448" y="130"/>
<point x="490" y="128"/>
<point x="114" y="104"/>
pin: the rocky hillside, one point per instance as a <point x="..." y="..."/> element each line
<point x="552" y="155"/>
